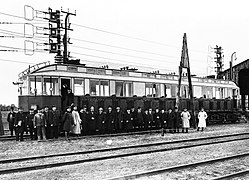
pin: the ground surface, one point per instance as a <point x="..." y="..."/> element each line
<point x="124" y="166"/>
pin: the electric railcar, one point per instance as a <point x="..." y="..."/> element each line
<point x="47" y="84"/>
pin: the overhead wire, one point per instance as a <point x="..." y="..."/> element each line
<point x="119" y="47"/>
<point x="15" y="61"/>
<point x="113" y="33"/>
<point x="116" y="60"/>
<point x="132" y="37"/>
<point x="120" y="54"/>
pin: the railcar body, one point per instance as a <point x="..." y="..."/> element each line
<point x="48" y="84"/>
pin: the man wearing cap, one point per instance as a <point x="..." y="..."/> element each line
<point x="40" y="124"/>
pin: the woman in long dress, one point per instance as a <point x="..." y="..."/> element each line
<point x="202" y="116"/>
<point x="77" y="121"/>
<point x="185" y="116"/>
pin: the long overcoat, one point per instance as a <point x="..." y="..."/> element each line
<point x="177" y="119"/>
<point x="110" y="120"/>
<point x="91" y="121"/>
<point x="185" y="119"/>
<point x="119" y="123"/>
<point x="170" y="120"/>
<point x="128" y="121"/>
<point x="202" y="116"/>
<point x="101" y="122"/>
<point x="67" y="121"/>
<point x="76" y="122"/>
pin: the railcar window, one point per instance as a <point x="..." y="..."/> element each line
<point x="50" y="86"/>
<point x="197" y="91"/>
<point x="104" y="88"/>
<point x="79" y="86"/>
<point x="128" y="89"/>
<point x="173" y="91"/>
<point x="35" y="86"/>
<point x="119" y="88"/>
<point x="167" y="91"/>
<point x="148" y="89"/>
<point x="94" y="87"/>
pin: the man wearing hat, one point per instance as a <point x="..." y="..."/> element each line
<point x="20" y="124"/>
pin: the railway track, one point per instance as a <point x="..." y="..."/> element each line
<point x="186" y="166"/>
<point x="233" y="175"/>
<point x="116" y="152"/>
<point x="13" y="138"/>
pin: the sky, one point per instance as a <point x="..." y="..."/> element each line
<point x="146" y="34"/>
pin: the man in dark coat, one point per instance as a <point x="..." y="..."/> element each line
<point x="146" y="119"/>
<point x="119" y="123"/>
<point x="133" y="113"/>
<point x="163" y="118"/>
<point x="83" y="116"/>
<point x="48" y="118"/>
<point x="128" y="120"/>
<point x="20" y="124"/>
<point x="67" y="120"/>
<point x="11" y="120"/>
<point x="101" y="121"/>
<point x="30" y="123"/>
<point x="177" y="120"/>
<point x="110" y="120"/>
<point x="139" y="118"/>
<point x="157" y="118"/>
<point x="150" y="118"/>
<point x="54" y="123"/>
<point x="92" y="116"/>
<point x="170" y="120"/>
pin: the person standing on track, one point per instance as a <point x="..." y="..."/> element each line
<point x="101" y="121"/>
<point x="55" y="123"/>
<point x="49" y="122"/>
<point x="128" y="120"/>
<point x="11" y="120"/>
<point x="119" y="119"/>
<point x="110" y="120"/>
<point x="157" y="118"/>
<point x="177" y="120"/>
<point x="20" y="124"/>
<point x="185" y="116"/>
<point x="150" y="118"/>
<point x="92" y="116"/>
<point x="202" y="116"/>
<point x="67" y="119"/>
<point x="40" y="124"/>
<point x="76" y="121"/>
<point x="171" y="118"/>
<point x="30" y="122"/>
<point x="139" y="118"/>
<point x="163" y="121"/>
<point x="83" y="117"/>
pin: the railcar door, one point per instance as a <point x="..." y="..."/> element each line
<point x="66" y="93"/>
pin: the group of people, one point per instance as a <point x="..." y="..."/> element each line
<point x="47" y="124"/>
<point x="41" y="124"/>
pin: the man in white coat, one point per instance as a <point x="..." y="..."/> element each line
<point x="185" y="116"/>
<point x="202" y="116"/>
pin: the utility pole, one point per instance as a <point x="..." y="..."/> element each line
<point x="185" y="64"/>
<point x="65" y="39"/>
<point x="231" y="66"/>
